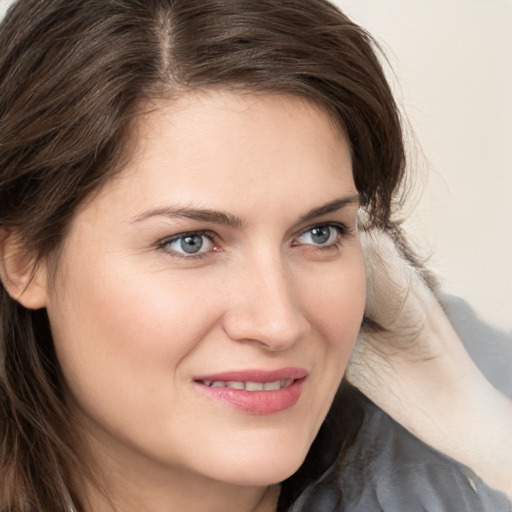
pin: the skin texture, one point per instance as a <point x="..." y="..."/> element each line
<point x="135" y="320"/>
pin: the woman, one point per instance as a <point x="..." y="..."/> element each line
<point x="182" y="279"/>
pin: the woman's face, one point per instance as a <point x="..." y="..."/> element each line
<point x="208" y="298"/>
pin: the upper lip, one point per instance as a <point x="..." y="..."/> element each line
<point x="256" y="375"/>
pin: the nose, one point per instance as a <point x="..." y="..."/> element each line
<point x="264" y="306"/>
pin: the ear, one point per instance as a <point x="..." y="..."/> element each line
<point x="24" y="281"/>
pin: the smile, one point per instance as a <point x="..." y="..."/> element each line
<point x="249" y="385"/>
<point x="258" y="392"/>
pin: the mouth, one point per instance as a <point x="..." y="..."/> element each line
<point x="249" y="385"/>
<point x="255" y="391"/>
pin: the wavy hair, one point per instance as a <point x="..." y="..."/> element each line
<point x="73" y="76"/>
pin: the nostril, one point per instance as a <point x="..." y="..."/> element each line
<point x="274" y="334"/>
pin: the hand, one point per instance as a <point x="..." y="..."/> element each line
<point x="417" y="369"/>
<point x="401" y="300"/>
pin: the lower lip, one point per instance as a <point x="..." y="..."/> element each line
<point x="258" y="402"/>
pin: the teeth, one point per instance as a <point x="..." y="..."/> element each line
<point x="254" y="386"/>
<point x="235" y="385"/>
<point x="250" y="386"/>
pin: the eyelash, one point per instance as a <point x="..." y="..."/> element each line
<point x="342" y="232"/>
<point x="165" y="244"/>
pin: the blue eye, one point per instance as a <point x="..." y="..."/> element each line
<point x="323" y="235"/>
<point x="188" y="244"/>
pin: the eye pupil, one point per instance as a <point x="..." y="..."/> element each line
<point x="191" y="243"/>
<point x="320" y="234"/>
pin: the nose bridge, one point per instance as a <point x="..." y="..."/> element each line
<point x="265" y="304"/>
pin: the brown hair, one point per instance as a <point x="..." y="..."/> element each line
<point x="72" y="75"/>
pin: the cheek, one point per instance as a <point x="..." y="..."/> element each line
<point x="335" y="308"/>
<point x="338" y="304"/>
<point x="114" y="328"/>
<point x="335" y="305"/>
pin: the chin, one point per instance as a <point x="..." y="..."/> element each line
<point x="261" y="464"/>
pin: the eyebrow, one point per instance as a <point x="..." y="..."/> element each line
<point x="227" y="219"/>
<point x="331" y="207"/>
<point x="202" y="215"/>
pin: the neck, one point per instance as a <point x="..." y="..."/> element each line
<point x="191" y="499"/>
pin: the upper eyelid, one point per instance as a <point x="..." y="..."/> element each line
<point x="335" y="224"/>
<point x="163" y="242"/>
<point x="341" y="216"/>
<point x="201" y="232"/>
<point x="213" y="235"/>
<point x="162" y="245"/>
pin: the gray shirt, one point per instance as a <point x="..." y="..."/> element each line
<point x="387" y="469"/>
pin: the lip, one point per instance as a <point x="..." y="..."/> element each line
<point x="256" y="375"/>
<point x="256" y="402"/>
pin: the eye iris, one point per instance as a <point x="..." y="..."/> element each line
<point x="320" y="234"/>
<point x="191" y="243"/>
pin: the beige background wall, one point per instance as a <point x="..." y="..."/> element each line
<point x="453" y="60"/>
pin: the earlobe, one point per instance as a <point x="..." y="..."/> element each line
<point x="24" y="280"/>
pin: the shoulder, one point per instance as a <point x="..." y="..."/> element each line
<point x="388" y="469"/>
<point x="489" y="347"/>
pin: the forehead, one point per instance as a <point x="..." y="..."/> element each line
<point x="221" y="149"/>
<point x="201" y="130"/>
